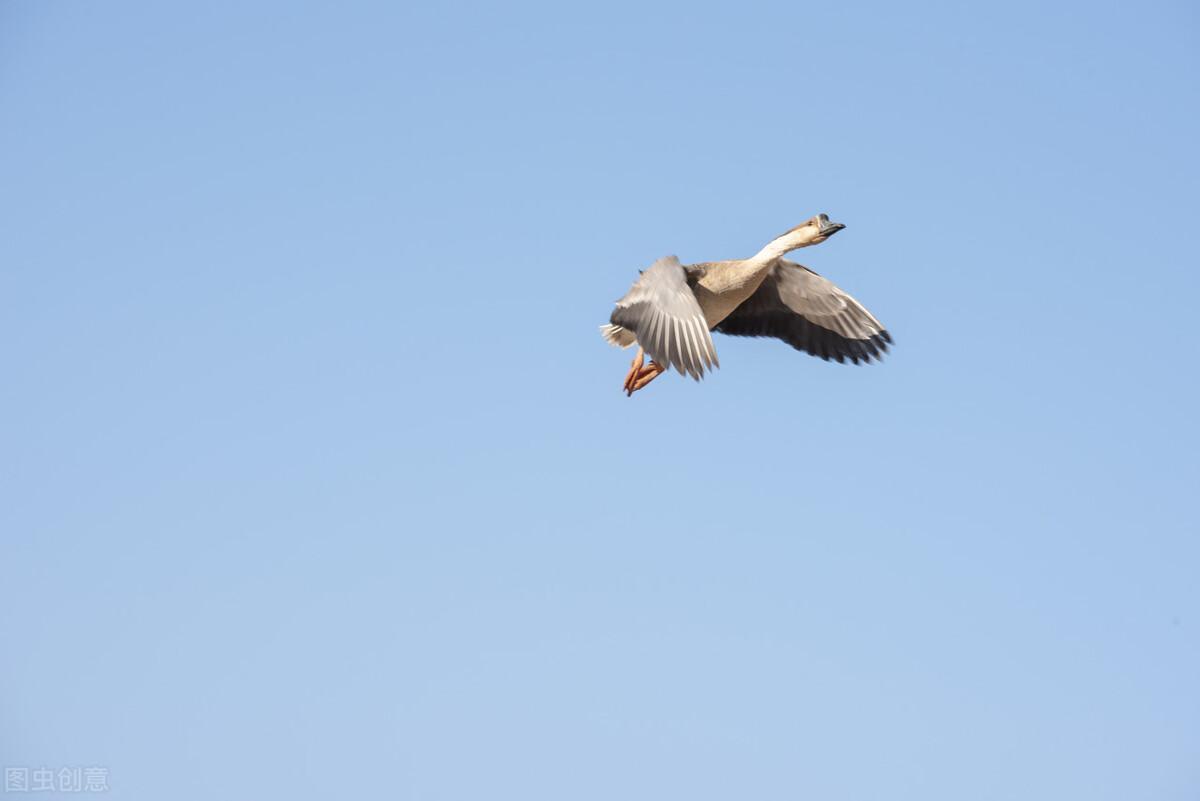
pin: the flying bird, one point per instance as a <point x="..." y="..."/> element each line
<point x="670" y="310"/>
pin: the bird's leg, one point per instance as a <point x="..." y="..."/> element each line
<point x="645" y="376"/>
<point x="634" y="369"/>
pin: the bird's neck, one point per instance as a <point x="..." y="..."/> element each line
<point x="765" y="259"/>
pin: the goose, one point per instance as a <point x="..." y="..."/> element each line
<point x="671" y="308"/>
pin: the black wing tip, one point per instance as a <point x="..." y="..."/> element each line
<point x="867" y="350"/>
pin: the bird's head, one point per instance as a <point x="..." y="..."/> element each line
<point x="810" y="232"/>
<point x="814" y="231"/>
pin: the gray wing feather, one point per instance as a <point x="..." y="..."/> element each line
<point x="823" y="302"/>
<point x="810" y="313"/>
<point x="663" y="314"/>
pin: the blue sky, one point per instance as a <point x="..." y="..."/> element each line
<point x="317" y="480"/>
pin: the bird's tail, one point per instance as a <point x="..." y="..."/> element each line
<point x="617" y="335"/>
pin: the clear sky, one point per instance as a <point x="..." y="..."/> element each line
<point x="316" y="476"/>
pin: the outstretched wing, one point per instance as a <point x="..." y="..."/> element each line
<point x="663" y="314"/>
<point x="810" y="313"/>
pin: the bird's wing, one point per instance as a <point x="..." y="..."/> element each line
<point x="663" y="314"/>
<point x="809" y="313"/>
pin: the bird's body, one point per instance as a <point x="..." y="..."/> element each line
<point x="722" y="286"/>
<point x="671" y="309"/>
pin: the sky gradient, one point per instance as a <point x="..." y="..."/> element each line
<point x="317" y="480"/>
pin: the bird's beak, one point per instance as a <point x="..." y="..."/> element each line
<point x="828" y="228"/>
